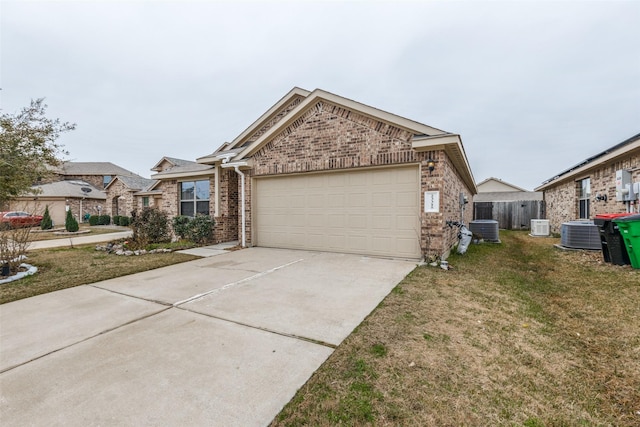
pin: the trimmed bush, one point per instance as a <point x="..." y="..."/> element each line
<point x="150" y="225"/>
<point x="116" y="219"/>
<point x="198" y="229"/>
<point x="70" y="223"/>
<point x="47" y="223"/>
<point x="124" y="221"/>
<point x="181" y="226"/>
<point x="93" y="220"/>
<point x="201" y="229"/>
<point x="104" y="220"/>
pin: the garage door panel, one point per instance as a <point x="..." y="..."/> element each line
<point x="406" y="199"/>
<point x="373" y="211"/>
<point x="383" y="199"/>
<point x="404" y="223"/>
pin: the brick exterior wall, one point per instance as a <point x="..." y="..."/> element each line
<point x="328" y="137"/>
<point x="228" y="221"/>
<point x="562" y="199"/>
<point x="89" y="206"/>
<point x="120" y="200"/>
<point x="283" y="112"/>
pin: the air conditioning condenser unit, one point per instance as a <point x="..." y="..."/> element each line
<point x="540" y="227"/>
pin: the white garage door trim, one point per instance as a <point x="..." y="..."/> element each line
<point x="372" y="211"/>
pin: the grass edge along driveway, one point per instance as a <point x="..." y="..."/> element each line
<point x="518" y="333"/>
<point x="62" y="268"/>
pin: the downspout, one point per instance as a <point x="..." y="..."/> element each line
<point x="236" y="167"/>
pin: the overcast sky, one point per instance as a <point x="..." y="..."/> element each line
<point x="532" y="87"/>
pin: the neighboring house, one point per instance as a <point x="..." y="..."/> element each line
<point x="600" y="184"/>
<point x="126" y="194"/>
<point x="98" y="174"/>
<point x="321" y="172"/>
<point x="512" y="206"/>
<point x="79" y="196"/>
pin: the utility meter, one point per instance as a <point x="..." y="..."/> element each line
<point x="624" y="189"/>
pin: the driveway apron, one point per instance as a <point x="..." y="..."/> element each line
<point x="225" y="340"/>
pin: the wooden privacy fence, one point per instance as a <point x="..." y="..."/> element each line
<point x="512" y="215"/>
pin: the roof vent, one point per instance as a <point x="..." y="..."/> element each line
<point x="580" y="235"/>
<point x="85" y="189"/>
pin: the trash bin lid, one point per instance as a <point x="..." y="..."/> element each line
<point x="612" y="215"/>
<point x="628" y="218"/>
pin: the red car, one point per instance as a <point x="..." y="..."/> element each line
<point x="20" y="219"/>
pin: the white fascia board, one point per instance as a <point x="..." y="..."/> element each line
<point x="452" y="145"/>
<point x="296" y="91"/>
<point x="187" y="174"/>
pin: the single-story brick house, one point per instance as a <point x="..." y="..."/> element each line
<point x="602" y="183"/>
<point x="128" y="193"/>
<point x="321" y="172"/>
<point x="79" y="196"/>
<point x="512" y="206"/>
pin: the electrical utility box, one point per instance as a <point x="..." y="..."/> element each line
<point x="624" y="187"/>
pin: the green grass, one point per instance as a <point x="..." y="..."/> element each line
<point x="516" y="334"/>
<point x="68" y="267"/>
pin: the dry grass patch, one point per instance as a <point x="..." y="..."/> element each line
<point x="518" y="333"/>
<point x="68" y="267"/>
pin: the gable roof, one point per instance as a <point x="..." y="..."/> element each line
<point x="94" y="168"/>
<point x="172" y="161"/>
<point x="272" y="113"/>
<point x="181" y="168"/>
<point x="134" y="183"/>
<point x="497" y="183"/>
<point x="319" y="95"/>
<point x="425" y="137"/>
<point x="72" y="188"/>
<point x="608" y="155"/>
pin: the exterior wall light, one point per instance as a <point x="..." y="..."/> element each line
<point x="431" y="165"/>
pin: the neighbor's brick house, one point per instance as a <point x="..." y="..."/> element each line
<point x="78" y="186"/>
<point x="319" y="171"/>
<point x="589" y="188"/>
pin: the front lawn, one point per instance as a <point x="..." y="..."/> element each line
<point x="517" y="334"/>
<point x="68" y="267"/>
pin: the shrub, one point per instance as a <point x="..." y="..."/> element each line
<point x="198" y="229"/>
<point x="104" y="220"/>
<point x="181" y="226"/>
<point x="150" y="225"/>
<point x="93" y="220"/>
<point x="116" y="219"/>
<point x="70" y="223"/>
<point x="201" y="229"/>
<point x="47" y="223"/>
<point x="124" y="221"/>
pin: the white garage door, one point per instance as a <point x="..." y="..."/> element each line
<point x="372" y="212"/>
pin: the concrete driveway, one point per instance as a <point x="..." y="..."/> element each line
<point x="225" y="340"/>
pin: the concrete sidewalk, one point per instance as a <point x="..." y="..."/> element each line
<point x="220" y="341"/>
<point x="79" y="240"/>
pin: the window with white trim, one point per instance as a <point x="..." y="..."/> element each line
<point x="194" y="197"/>
<point x="584" y="193"/>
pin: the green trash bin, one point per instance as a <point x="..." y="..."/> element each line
<point x="629" y="227"/>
